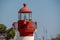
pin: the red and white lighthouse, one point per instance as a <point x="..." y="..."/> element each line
<point x="26" y="26"/>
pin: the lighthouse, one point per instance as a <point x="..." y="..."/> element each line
<point x="26" y="26"/>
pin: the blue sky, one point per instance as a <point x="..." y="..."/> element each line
<point x="45" y="12"/>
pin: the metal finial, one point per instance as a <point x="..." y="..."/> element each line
<point x="24" y="4"/>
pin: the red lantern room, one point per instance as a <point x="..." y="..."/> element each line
<point x="26" y="26"/>
<point x="25" y="13"/>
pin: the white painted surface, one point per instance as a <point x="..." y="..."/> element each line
<point x="26" y="38"/>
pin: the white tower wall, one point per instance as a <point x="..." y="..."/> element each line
<point x="27" y="38"/>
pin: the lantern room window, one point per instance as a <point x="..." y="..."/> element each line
<point x="25" y="16"/>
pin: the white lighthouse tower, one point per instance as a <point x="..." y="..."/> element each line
<point x="25" y="27"/>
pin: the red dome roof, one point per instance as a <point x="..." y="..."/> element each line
<point x="24" y="9"/>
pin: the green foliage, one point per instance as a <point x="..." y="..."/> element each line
<point x="2" y="28"/>
<point x="11" y="32"/>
